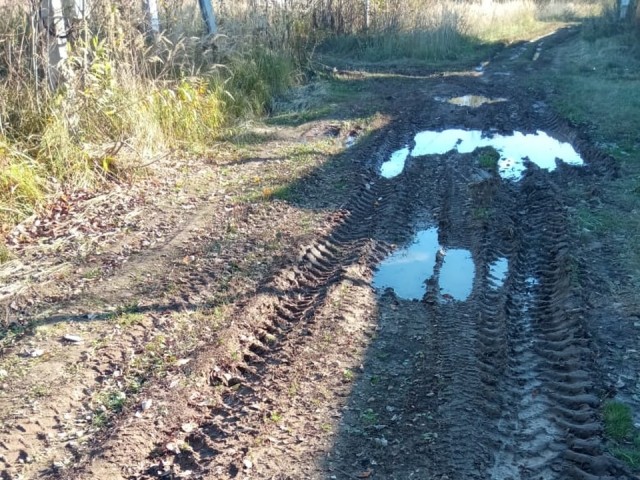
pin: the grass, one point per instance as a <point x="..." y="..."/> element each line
<point x="594" y="82"/>
<point x="488" y="158"/>
<point x="178" y="95"/>
<point x="618" y="421"/>
<point x="52" y="142"/>
<point x="5" y="254"/>
<point x="449" y="31"/>
<point x="624" y="437"/>
<point x="598" y="81"/>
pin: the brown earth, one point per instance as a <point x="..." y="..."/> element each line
<point x="247" y="338"/>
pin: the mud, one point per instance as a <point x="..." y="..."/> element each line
<point x="437" y="331"/>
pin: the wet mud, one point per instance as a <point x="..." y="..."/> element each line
<point x="477" y="357"/>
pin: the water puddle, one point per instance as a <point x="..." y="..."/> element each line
<point x="514" y="150"/>
<point x="395" y="165"/>
<point x="407" y="270"/>
<point x="498" y="272"/>
<point x="456" y="275"/>
<point x="473" y="101"/>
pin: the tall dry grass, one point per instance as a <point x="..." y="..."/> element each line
<point x="176" y="91"/>
<point x="182" y="88"/>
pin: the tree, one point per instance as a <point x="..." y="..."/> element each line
<point x="208" y="16"/>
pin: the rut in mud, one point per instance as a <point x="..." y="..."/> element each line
<point x="500" y="382"/>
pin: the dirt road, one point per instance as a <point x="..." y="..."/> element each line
<point x="483" y="366"/>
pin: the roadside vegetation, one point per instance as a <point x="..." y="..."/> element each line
<point x="129" y="100"/>
<point x="595" y="83"/>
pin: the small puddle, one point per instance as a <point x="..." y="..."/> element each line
<point x="407" y="270"/>
<point x="456" y="276"/>
<point x="538" y="148"/>
<point x="498" y="272"/>
<point x="473" y="101"/>
<point x="395" y="165"/>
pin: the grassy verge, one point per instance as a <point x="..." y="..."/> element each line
<point x="595" y="83"/>
<point x="452" y="32"/>
<point x="73" y="139"/>
<point x="593" y="80"/>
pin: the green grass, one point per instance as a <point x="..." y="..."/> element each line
<point x="442" y="43"/>
<point x="597" y="83"/>
<point x="595" y="80"/>
<point x="488" y="158"/>
<point x="369" y="417"/>
<point x="128" y="319"/>
<point x="623" y="436"/>
<point x="618" y="421"/>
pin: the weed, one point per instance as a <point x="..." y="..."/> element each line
<point x="481" y="214"/>
<point x="114" y="401"/>
<point x="326" y="427"/>
<point x="129" y="319"/>
<point x="110" y="403"/>
<point x="5" y="254"/>
<point x="348" y="375"/>
<point x="131" y="307"/>
<point x="623" y="435"/>
<point x="618" y="421"/>
<point x="40" y="391"/>
<point x="99" y="419"/>
<point x="488" y="158"/>
<point x="369" y="416"/>
<point x="92" y="273"/>
<point x="293" y="389"/>
<point x="275" y="417"/>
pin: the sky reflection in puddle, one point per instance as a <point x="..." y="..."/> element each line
<point x="538" y="148"/>
<point x="407" y="270"/>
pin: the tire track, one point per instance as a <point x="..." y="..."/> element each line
<point x="550" y="428"/>
<point x="302" y="293"/>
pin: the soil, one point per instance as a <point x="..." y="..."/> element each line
<point x="307" y="370"/>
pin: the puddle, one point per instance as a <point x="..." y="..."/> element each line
<point x="395" y="165"/>
<point x="407" y="270"/>
<point x="538" y="148"/>
<point x="498" y="272"/>
<point x="456" y="276"/>
<point x="473" y="101"/>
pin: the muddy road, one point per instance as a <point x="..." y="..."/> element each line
<point x="439" y="330"/>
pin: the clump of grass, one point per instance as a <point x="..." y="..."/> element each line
<point x="369" y="417"/>
<point x="488" y="158"/>
<point x="5" y="254"/>
<point x="624" y="437"/>
<point x="618" y="421"/>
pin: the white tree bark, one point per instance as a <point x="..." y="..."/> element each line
<point x="151" y="7"/>
<point x="208" y="16"/>
<point x="367" y="14"/>
<point x="52" y="20"/>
